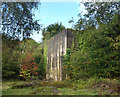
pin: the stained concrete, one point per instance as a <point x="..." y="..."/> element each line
<point x="57" y="46"/>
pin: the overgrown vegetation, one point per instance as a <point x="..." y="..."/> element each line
<point x="92" y="86"/>
<point x="94" y="55"/>
<point x="91" y="64"/>
<point x="21" y="58"/>
<point x="96" y="50"/>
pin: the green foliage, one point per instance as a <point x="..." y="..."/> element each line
<point x="95" y="52"/>
<point x="30" y="46"/>
<point x="39" y="59"/>
<point x="14" y="53"/>
<point x="10" y="55"/>
<point x="101" y="12"/>
<point x="45" y="53"/>
<point x="66" y="64"/>
<point x="52" y="30"/>
<point x="17" y="18"/>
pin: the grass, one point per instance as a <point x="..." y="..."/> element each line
<point x="80" y="87"/>
<point x="45" y="91"/>
<point x="40" y="89"/>
<point x="68" y="91"/>
<point x="16" y="91"/>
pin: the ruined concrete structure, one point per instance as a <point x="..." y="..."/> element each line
<point x="57" y="46"/>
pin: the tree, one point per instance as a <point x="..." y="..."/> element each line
<point x="10" y="56"/>
<point x="29" y="47"/>
<point x="52" y="30"/>
<point x="95" y="52"/>
<point x="101" y="12"/>
<point x="17" y="19"/>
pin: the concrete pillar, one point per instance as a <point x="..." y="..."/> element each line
<point x="57" y="46"/>
<point x="60" y="58"/>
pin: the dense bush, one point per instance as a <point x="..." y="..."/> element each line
<point x="96" y="52"/>
<point x="10" y="55"/>
<point x="15" y="53"/>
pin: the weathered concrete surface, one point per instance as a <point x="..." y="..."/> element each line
<point x="57" y="46"/>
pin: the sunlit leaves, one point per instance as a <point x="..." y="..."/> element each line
<point x="52" y="30"/>
<point x="102" y="12"/>
<point x="96" y="50"/>
<point x="29" y="67"/>
<point x="17" y="19"/>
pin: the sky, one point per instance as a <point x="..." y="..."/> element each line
<point x="53" y="12"/>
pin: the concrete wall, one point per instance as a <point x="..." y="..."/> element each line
<point x="57" y="46"/>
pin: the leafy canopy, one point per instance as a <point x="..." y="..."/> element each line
<point x="52" y="30"/>
<point x="17" y="19"/>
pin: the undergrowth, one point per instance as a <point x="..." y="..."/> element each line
<point x="100" y="86"/>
